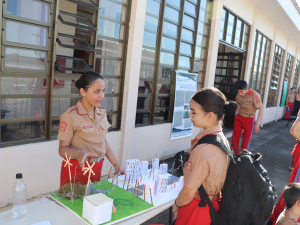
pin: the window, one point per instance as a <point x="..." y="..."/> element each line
<point x="296" y="75"/>
<point x="288" y="72"/>
<point x="179" y="41"/>
<point x="234" y="30"/>
<point x="25" y="70"/>
<point x="275" y="77"/>
<point x="260" y="61"/>
<point x="110" y="55"/>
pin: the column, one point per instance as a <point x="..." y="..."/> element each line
<point x="212" y="55"/>
<point x="132" y="73"/>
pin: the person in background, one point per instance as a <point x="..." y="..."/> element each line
<point x="295" y="174"/>
<point x="82" y="131"/>
<point x="248" y="102"/>
<point x="290" y="103"/>
<point x="297" y="103"/>
<point x="291" y="214"/>
<point x="207" y="164"/>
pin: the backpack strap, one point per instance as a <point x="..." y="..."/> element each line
<point x="217" y="141"/>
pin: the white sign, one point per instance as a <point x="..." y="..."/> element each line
<point x="186" y="86"/>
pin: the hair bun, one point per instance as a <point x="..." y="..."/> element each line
<point x="230" y="107"/>
<point x="78" y="84"/>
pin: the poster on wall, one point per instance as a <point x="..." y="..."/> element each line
<point x="284" y="93"/>
<point x="186" y="86"/>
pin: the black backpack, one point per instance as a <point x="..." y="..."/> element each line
<point x="248" y="196"/>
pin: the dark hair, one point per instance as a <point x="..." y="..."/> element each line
<point x="242" y="85"/>
<point x="87" y="79"/>
<point x="213" y="100"/>
<point x="291" y="194"/>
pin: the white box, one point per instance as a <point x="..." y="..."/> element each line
<point x="180" y="184"/>
<point x="161" y="184"/>
<point x="149" y="184"/>
<point x="97" y="209"/>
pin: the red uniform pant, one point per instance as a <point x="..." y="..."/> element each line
<point x="80" y="178"/>
<point x="192" y="214"/>
<point x="288" y="113"/>
<point x="242" y="123"/>
<point x="295" y="177"/>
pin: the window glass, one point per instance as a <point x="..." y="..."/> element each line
<point x="184" y="61"/>
<point x="188" y="22"/>
<point x="161" y="116"/>
<point x="19" y="131"/>
<point x="151" y="23"/>
<point x="168" y="43"/>
<point x="72" y="64"/>
<point x="110" y="29"/>
<point x="152" y="7"/>
<point x="149" y="39"/>
<point x="165" y="73"/>
<point x="60" y="105"/>
<point x="24" y="85"/>
<point x="29" y="9"/>
<point x="148" y="55"/>
<point x="23" y="108"/>
<point x="171" y="14"/>
<point x="142" y="117"/>
<point x="147" y="71"/>
<point x="230" y="28"/>
<point x="110" y="103"/>
<point x="24" y="59"/>
<point x="187" y="35"/>
<point x="185" y="48"/>
<point x="170" y="29"/>
<point x="190" y="8"/>
<point x="112" y="10"/>
<point x="167" y="58"/>
<point x="175" y="3"/>
<point x="108" y="67"/>
<point x="109" y="48"/>
<point x="26" y="33"/>
<point x="74" y="42"/>
<point x="238" y="31"/>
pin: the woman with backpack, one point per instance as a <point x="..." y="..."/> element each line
<point x="206" y="163"/>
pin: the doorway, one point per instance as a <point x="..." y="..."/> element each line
<point x="228" y="73"/>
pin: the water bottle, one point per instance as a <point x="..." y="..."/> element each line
<point x="19" y="197"/>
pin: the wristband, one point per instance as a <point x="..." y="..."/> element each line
<point x="176" y="204"/>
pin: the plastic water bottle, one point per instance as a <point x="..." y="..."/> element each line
<point x="19" y="197"/>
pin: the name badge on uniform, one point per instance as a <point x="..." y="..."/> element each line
<point x="87" y="127"/>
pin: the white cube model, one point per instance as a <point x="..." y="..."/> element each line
<point x="161" y="184"/>
<point x="180" y="184"/>
<point x="144" y="168"/>
<point x="164" y="168"/>
<point x="155" y="164"/>
<point x="149" y="185"/>
<point x="97" y="209"/>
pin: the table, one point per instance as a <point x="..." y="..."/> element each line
<point x="46" y="209"/>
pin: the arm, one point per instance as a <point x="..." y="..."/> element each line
<point x="64" y="147"/>
<point x="258" y="104"/>
<point x="237" y="109"/>
<point x="186" y="195"/>
<point x="112" y="158"/>
<point x="295" y="130"/>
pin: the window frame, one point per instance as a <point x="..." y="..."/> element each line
<point x="24" y="19"/>
<point x="16" y="44"/>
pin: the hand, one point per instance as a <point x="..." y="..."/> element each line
<point x="118" y="169"/>
<point x="256" y="127"/>
<point x="175" y="211"/>
<point x="81" y="156"/>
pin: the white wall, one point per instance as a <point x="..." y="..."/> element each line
<point x="242" y="8"/>
<point x="264" y="25"/>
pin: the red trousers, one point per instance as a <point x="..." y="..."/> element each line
<point x="242" y="123"/>
<point x="288" y="113"/>
<point x="192" y="214"/>
<point x="295" y="177"/>
<point x="80" y="178"/>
